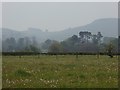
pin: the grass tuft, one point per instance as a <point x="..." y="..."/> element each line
<point x="22" y="73"/>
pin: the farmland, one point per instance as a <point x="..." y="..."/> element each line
<point x="63" y="71"/>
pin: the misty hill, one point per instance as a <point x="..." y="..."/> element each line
<point x="108" y="27"/>
<point x="7" y="33"/>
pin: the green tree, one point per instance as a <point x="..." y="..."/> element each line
<point x="85" y="36"/>
<point x="96" y="39"/>
<point x="55" y="47"/>
<point x="34" y="48"/>
<point x="109" y="49"/>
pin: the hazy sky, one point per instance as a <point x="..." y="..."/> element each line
<point x="54" y="16"/>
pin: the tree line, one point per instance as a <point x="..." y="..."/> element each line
<point x="25" y="44"/>
<point x="84" y="42"/>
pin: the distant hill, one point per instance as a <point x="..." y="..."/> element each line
<point x="108" y="27"/>
<point x="7" y="33"/>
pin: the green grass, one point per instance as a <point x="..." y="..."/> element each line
<point x="22" y="73"/>
<point x="64" y="72"/>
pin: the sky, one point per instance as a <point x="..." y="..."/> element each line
<point x="54" y="16"/>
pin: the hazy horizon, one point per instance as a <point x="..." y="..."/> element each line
<point x="55" y="16"/>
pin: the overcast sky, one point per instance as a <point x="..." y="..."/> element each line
<point x="54" y="16"/>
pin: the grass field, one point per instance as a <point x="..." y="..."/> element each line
<point x="63" y="72"/>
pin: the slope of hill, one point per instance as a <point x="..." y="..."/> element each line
<point x="108" y="27"/>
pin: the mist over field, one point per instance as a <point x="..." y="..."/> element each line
<point x="44" y="39"/>
<point x="37" y="23"/>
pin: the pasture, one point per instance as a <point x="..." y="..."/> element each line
<point x="66" y="71"/>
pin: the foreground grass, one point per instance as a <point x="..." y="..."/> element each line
<point x="63" y="72"/>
